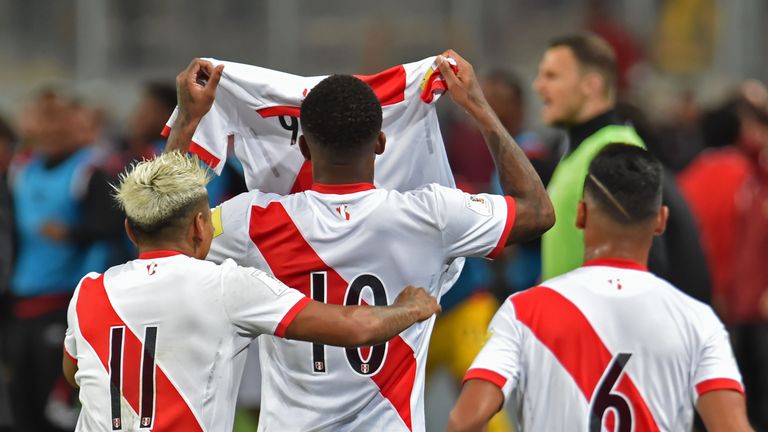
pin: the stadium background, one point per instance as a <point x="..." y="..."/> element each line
<point x="679" y="57"/>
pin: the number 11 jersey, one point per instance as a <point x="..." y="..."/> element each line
<point x="355" y="244"/>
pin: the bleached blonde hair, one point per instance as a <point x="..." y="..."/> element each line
<point x="153" y="191"/>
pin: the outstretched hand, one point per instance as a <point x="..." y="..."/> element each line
<point x="463" y="86"/>
<point x="423" y="304"/>
<point x="196" y="88"/>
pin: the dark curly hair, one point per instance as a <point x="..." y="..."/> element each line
<point x="342" y="115"/>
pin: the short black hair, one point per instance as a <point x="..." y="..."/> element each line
<point x="341" y="114"/>
<point x="593" y="52"/>
<point x="509" y="79"/>
<point x="625" y="182"/>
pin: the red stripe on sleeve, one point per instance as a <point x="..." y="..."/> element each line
<point x="166" y="131"/>
<point x="389" y="85"/>
<point x="203" y="154"/>
<point x="719" y="384"/>
<point x="289" y="317"/>
<point x="487" y="375"/>
<point x="96" y="317"/>
<point x="281" y="110"/>
<point x="510" y="222"/>
<point x="573" y="341"/>
<point x="292" y="259"/>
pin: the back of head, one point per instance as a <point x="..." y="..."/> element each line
<point x="159" y="196"/>
<point x="341" y="115"/>
<point x="624" y="181"/>
<point x="593" y="54"/>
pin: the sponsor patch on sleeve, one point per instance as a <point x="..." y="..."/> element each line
<point x="275" y="285"/>
<point x="480" y="205"/>
<point x="218" y="227"/>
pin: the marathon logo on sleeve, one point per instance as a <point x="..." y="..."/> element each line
<point x="479" y="205"/>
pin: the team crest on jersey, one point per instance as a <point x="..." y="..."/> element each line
<point x="117" y="424"/>
<point x="146" y="421"/>
<point x="365" y="368"/>
<point x="343" y="211"/>
<point x="479" y="205"/>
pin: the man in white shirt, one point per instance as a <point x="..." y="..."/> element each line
<point x="608" y="346"/>
<point x="345" y="241"/>
<point x="160" y="342"/>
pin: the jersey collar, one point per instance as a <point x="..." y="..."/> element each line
<point x="158" y="254"/>
<point x="341" y="189"/>
<point x="616" y="262"/>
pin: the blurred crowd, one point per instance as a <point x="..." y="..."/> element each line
<point x="59" y="222"/>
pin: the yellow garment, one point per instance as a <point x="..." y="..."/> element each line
<point x="458" y="337"/>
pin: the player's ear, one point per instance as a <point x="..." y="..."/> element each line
<point x="304" y="148"/>
<point x="129" y="231"/>
<point x="591" y="83"/>
<point x="661" y="220"/>
<point x="581" y="215"/>
<point x="381" y="143"/>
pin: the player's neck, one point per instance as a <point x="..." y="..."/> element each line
<point x="184" y="248"/>
<point x="333" y="173"/>
<point x="628" y="249"/>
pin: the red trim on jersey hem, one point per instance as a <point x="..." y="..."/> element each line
<point x="485" y="374"/>
<point x="166" y="131"/>
<point x="71" y="357"/>
<point x="159" y="254"/>
<point x="616" y="262"/>
<point x="340" y="189"/>
<point x="203" y="154"/>
<point x="510" y="222"/>
<point x="718" y="384"/>
<point x="290" y="316"/>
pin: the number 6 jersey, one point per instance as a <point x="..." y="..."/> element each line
<point x="608" y="346"/>
<point x="348" y="245"/>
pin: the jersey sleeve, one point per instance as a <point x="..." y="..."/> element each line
<point x="472" y="225"/>
<point x="257" y="303"/>
<point x="70" y="341"/>
<point x="499" y="360"/>
<point x="715" y="367"/>
<point x="230" y="229"/>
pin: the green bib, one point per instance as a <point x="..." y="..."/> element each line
<point x="562" y="247"/>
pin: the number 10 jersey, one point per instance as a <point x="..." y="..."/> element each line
<point x="348" y="245"/>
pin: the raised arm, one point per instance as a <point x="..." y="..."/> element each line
<point x="352" y="326"/>
<point x="195" y="91"/>
<point x="723" y="410"/>
<point x="534" y="213"/>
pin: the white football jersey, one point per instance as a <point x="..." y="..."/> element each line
<point x="608" y="346"/>
<point x="257" y="111"/>
<point x="348" y="245"/>
<point x="160" y="341"/>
